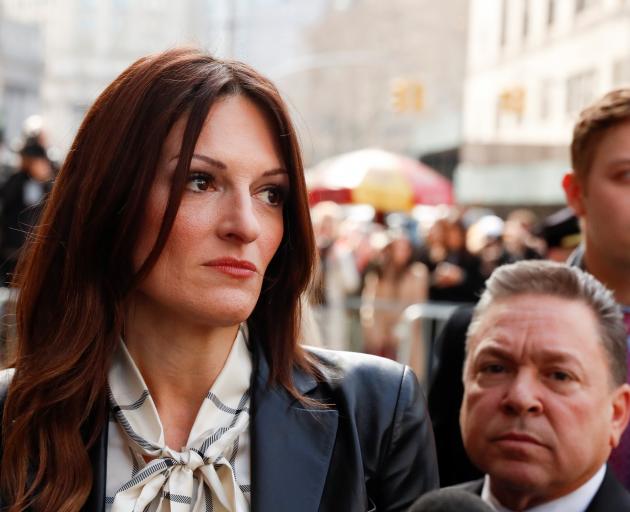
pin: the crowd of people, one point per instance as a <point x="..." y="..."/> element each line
<point x="165" y="286"/>
<point x="370" y="272"/>
<point x="24" y="183"/>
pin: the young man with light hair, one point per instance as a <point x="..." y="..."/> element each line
<point x="598" y="189"/>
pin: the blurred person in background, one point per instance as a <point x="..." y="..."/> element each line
<point x="484" y="239"/>
<point x="598" y="190"/>
<point x="561" y="233"/>
<point x="337" y="276"/>
<point x="159" y="364"/>
<point x="359" y="234"/>
<point x="519" y="241"/>
<point x="5" y="160"/>
<point x="34" y="129"/>
<point x="454" y="273"/>
<point x="394" y="282"/>
<point x="21" y="201"/>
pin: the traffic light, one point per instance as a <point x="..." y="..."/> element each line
<point x="512" y="100"/>
<point x="399" y="92"/>
<point x="417" y="93"/>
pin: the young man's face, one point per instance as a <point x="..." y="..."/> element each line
<point x="602" y="199"/>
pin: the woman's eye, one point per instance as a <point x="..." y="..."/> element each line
<point x="624" y="176"/>
<point x="199" y="182"/>
<point x="273" y="196"/>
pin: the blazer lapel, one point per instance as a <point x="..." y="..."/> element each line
<point x="98" y="458"/>
<point x="611" y="495"/>
<point x="291" y="446"/>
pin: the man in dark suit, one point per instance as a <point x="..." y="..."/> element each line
<point x="597" y="189"/>
<point x="545" y="392"/>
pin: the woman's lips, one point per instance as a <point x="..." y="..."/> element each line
<point x="233" y="267"/>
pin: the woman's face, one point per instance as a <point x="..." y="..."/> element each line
<point x="229" y="224"/>
<point x="455" y="237"/>
<point x="400" y="251"/>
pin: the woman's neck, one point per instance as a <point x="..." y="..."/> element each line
<point x="179" y="362"/>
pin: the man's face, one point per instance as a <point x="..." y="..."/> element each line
<point x="540" y="413"/>
<point x="602" y="199"/>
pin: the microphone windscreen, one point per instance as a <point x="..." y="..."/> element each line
<point x="450" y="500"/>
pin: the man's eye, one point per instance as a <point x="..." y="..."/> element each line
<point x="199" y="182"/>
<point x="493" y="368"/>
<point x="273" y="196"/>
<point x="560" y="376"/>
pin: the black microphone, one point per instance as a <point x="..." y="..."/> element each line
<point x="450" y="500"/>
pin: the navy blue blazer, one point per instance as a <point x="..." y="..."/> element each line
<point x="610" y="497"/>
<point x="368" y="447"/>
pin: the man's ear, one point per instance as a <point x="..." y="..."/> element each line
<point x="620" y="413"/>
<point x="574" y="193"/>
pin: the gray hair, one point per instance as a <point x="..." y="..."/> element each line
<point x="558" y="280"/>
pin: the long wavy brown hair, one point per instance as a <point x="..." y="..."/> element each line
<point x="76" y="271"/>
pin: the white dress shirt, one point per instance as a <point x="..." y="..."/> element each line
<point x="576" y="501"/>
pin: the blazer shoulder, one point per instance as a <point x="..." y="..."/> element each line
<point x="382" y="411"/>
<point x="472" y="486"/>
<point x="363" y="371"/>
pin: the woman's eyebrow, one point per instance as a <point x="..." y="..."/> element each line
<point x="214" y="163"/>
<point x="273" y="172"/>
<point x="220" y="165"/>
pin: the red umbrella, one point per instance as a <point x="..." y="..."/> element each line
<point x="384" y="180"/>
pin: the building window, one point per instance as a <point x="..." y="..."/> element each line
<point x="580" y="91"/>
<point x="525" y="18"/>
<point x="512" y="103"/>
<point x="581" y="5"/>
<point x="545" y="99"/>
<point x="551" y="12"/>
<point x="621" y="72"/>
<point x="504" y="22"/>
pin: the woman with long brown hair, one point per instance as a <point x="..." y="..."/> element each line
<point x="158" y="363"/>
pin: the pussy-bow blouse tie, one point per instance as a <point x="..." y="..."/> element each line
<point x="200" y="477"/>
<point x="188" y="480"/>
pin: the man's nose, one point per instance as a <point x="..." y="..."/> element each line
<point x="238" y="217"/>
<point x="522" y="395"/>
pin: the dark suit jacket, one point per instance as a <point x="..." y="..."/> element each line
<point x="445" y="399"/>
<point x="610" y="497"/>
<point x="370" y="447"/>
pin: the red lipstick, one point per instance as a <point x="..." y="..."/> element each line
<point x="233" y="267"/>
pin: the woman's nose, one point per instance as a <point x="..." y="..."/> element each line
<point x="238" y="218"/>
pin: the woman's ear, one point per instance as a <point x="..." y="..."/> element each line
<point x="574" y="192"/>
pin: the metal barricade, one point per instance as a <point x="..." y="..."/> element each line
<point x="417" y="331"/>
<point x="418" y="346"/>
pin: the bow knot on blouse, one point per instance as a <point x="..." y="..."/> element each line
<point x="190" y="460"/>
<point x="210" y="473"/>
